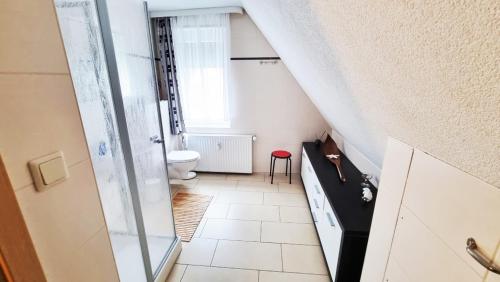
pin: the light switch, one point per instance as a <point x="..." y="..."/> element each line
<point x="48" y="171"/>
<point x="52" y="171"/>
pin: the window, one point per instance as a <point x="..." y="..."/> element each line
<point x="201" y="47"/>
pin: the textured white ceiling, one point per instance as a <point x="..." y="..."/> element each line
<point x="425" y="72"/>
<point x="159" y="5"/>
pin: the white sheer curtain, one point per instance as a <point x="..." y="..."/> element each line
<point x="202" y="50"/>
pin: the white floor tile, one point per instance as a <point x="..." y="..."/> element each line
<point x="282" y="178"/>
<point x="253" y="212"/>
<point x="290" y="233"/>
<point x="210" y="176"/>
<point x="249" y="255"/>
<point x="291" y="188"/>
<point x="285" y="199"/>
<point x="191" y="183"/>
<point x="247" y="177"/>
<point x="198" y="252"/>
<point x="295" y="215"/>
<point x="232" y="230"/>
<point x="303" y="259"/>
<point x="176" y="273"/>
<point x="217" y="211"/>
<point x="216" y="185"/>
<point x="256" y="186"/>
<point x="240" y="197"/>
<point x="270" y="276"/>
<point x="197" y="233"/>
<point x="216" y="274"/>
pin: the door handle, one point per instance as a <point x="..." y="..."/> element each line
<point x="155" y="139"/>
<point x="481" y="258"/>
<point x="330" y="219"/>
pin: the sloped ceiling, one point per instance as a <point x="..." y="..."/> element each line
<point x="425" y="72"/>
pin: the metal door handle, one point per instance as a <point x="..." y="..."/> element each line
<point x="316" y="203"/>
<point x="479" y="257"/>
<point x="155" y="139"/>
<point x="330" y="219"/>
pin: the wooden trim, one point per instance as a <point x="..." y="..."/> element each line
<point x="4" y="271"/>
<point x="19" y="260"/>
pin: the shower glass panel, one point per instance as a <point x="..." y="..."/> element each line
<point x="129" y="27"/>
<point x="81" y="33"/>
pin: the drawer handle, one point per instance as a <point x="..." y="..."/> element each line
<point x="316" y="203"/>
<point x="317" y="189"/>
<point x="479" y="257"/>
<point x="315" y="219"/>
<point x="309" y="168"/>
<point x="330" y="219"/>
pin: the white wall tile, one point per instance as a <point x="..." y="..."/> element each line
<point x="62" y="219"/>
<point x="94" y="260"/>
<point x="30" y="38"/>
<point x="39" y="116"/>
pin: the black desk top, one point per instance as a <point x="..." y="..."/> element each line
<point x="353" y="214"/>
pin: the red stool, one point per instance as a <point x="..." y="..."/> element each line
<point x="280" y="154"/>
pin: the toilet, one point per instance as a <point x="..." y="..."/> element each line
<point x="180" y="164"/>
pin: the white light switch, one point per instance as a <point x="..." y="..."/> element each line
<point x="48" y="170"/>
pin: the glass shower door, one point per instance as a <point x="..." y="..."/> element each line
<point x="111" y="66"/>
<point x="128" y="23"/>
<point x="78" y="21"/>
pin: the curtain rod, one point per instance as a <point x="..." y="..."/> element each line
<point x="193" y="12"/>
<point x="254" y="58"/>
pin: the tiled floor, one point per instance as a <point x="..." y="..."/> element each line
<point x="253" y="231"/>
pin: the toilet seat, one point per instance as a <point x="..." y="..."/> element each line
<point x="182" y="156"/>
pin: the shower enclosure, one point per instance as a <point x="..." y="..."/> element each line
<point x="109" y="53"/>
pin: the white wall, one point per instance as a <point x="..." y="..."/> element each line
<point x="425" y="72"/>
<point x="39" y="115"/>
<point x="265" y="100"/>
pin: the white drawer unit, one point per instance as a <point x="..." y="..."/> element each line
<point x="331" y="237"/>
<point x="342" y="220"/>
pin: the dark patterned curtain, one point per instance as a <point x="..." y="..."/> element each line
<point x="167" y="74"/>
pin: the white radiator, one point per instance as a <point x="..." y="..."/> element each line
<point x="221" y="153"/>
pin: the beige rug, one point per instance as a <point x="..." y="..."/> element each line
<point x="188" y="211"/>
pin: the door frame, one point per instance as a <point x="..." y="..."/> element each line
<point x="18" y="258"/>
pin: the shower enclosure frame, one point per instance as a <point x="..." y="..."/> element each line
<point x="105" y="26"/>
<point x="161" y="272"/>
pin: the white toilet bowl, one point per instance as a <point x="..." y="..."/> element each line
<point x="180" y="164"/>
